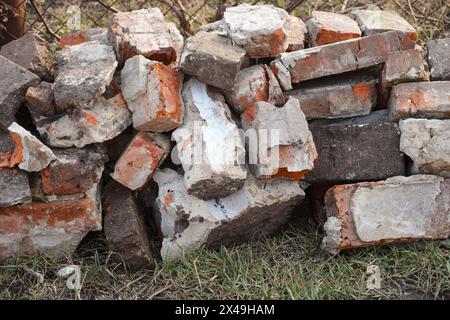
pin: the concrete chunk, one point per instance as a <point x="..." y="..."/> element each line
<point x="104" y="121"/>
<point x="356" y="149"/>
<point x="140" y="159"/>
<point x="188" y="223"/>
<point x="12" y="89"/>
<point x="336" y="98"/>
<point x="212" y="59"/>
<point x="15" y="187"/>
<point x="83" y="73"/>
<point x="439" y="58"/>
<point x="427" y="143"/>
<point x="145" y="32"/>
<point x="327" y="27"/>
<point x="420" y="100"/>
<point x="209" y="144"/>
<point x="153" y="94"/>
<point x="262" y="30"/>
<point x="395" y="210"/>
<point x="30" y="52"/>
<point x="125" y="229"/>
<point x="31" y="154"/>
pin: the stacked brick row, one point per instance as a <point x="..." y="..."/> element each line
<point x="211" y="140"/>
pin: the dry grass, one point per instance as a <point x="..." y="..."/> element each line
<point x="288" y="266"/>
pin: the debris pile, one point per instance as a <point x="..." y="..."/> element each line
<point x="170" y="144"/>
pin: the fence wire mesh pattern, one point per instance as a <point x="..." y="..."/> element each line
<point x="52" y="18"/>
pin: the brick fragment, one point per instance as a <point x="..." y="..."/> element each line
<point x="259" y="208"/>
<point x="154" y="97"/>
<point x="220" y="59"/>
<point x="356" y="149"/>
<point x="125" y="229"/>
<point x="30" y="52"/>
<point x="15" y="187"/>
<point x="145" y="32"/>
<point x="73" y="171"/>
<point x="404" y="66"/>
<point x="140" y="159"/>
<point x="427" y="143"/>
<point x="262" y="30"/>
<point x="378" y="21"/>
<point x="327" y="27"/>
<point x="336" y="98"/>
<point x="250" y="86"/>
<point x="280" y="142"/>
<point x="395" y="210"/>
<point x="29" y="152"/>
<point x="276" y="95"/>
<point x="79" y="37"/>
<point x="209" y="145"/>
<point x="83" y="73"/>
<point x="420" y="100"/>
<point x="335" y="58"/>
<point x="297" y="33"/>
<point x="439" y="58"/>
<point x="53" y="229"/>
<point x="12" y="89"/>
<point x="39" y="101"/>
<point x="106" y="119"/>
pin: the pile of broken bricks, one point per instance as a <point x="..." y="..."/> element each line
<point x="103" y="136"/>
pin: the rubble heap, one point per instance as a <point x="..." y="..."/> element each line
<point x="171" y="144"/>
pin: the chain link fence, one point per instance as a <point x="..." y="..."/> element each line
<point x="52" y="18"/>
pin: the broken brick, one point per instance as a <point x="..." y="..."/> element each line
<point x="259" y="208"/>
<point x="125" y="229"/>
<point x="404" y="66"/>
<point x="83" y="73"/>
<point x="378" y="21"/>
<point x="79" y="37"/>
<point x="439" y="59"/>
<point x="15" y="188"/>
<point x="140" y="159"/>
<point x="327" y="27"/>
<point x="395" y="210"/>
<point x="12" y="89"/>
<point x="30" y="52"/>
<point x="145" y="32"/>
<point x="73" y="171"/>
<point x="261" y="30"/>
<point x="420" y="100"/>
<point x="106" y="119"/>
<point x="220" y="59"/>
<point x="336" y="98"/>
<point x="297" y="33"/>
<point x="154" y="97"/>
<point x="54" y="228"/>
<point x="208" y="143"/>
<point x="427" y="142"/>
<point x="30" y="153"/>
<point x="356" y="149"/>
<point x="335" y="58"/>
<point x="39" y="101"/>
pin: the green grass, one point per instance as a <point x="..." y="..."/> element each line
<point x="288" y="266"/>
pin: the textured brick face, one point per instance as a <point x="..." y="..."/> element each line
<point x="140" y="159"/>
<point x="328" y="27"/>
<point x="53" y="228"/>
